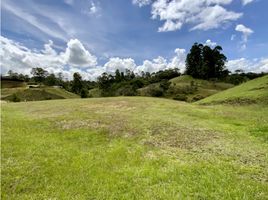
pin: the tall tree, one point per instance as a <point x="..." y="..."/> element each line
<point x="39" y="74"/>
<point x="77" y="84"/>
<point x="194" y="60"/>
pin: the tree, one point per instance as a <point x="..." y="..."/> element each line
<point x="51" y="80"/>
<point x="77" y="84"/>
<point x="39" y="74"/>
<point x="206" y="63"/>
<point x="194" y="61"/>
<point x="117" y="76"/>
<point x="84" y="93"/>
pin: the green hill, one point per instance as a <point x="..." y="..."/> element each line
<point x="187" y="88"/>
<point x="133" y="148"/>
<point x="254" y="91"/>
<point x="35" y="94"/>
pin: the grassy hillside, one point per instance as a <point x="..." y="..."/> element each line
<point x="35" y="94"/>
<point x="188" y="89"/>
<point x="252" y="91"/>
<point x="203" y="88"/>
<point x="133" y="148"/>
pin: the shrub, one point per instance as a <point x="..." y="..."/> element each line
<point x="180" y="97"/>
<point x="84" y="93"/>
<point x="197" y="97"/>
<point x="15" y="98"/>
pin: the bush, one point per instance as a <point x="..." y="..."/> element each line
<point x="180" y="97"/>
<point x="197" y="97"/>
<point x="15" y="98"/>
<point x="127" y="91"/>
<point x="156" y="92"/>
<point x="84" y="93"/>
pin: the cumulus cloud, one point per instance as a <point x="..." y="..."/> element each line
<point x="210" y="43"/>
<point x="160" y="63"/>
<point x="178" y="61"/>
<point x="119" y="63"/>
<point x="255" y="65"/>
<point x="21" y="59"/>
<point x="246" y="32"/>
<point x="201" y="14"/>
<point x="155" y="65"/>
<point x="77" y="55"/>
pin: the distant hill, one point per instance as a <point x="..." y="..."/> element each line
<point x="9" y="82"/>
<point x="254" y="91"/>
<point x="35" y="94"/>
<point x="186" y="88"/>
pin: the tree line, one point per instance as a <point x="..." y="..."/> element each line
<point x="202" y="62"/>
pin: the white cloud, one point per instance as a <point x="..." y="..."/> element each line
<point x="160" y="63"/>
<point x="210" y="43"/>
<point x="119" y="63"/>
<point x="255" y="65"/>
<point x="241" y="28"/>
<point x="155" y="65"/>
<point x="77" y="55"/>
<point x="21" y="59"/>
<point x="245" y="2"/>
<point x="141" y="3"/>
<point x="246" y="32"/>
<point x="201" y="14"/>
<point x="213" y="17"/>
<point x="178" y="61"/>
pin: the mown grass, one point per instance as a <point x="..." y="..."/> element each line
<point x="254" y="91"/>
<point x="133" y="148"/>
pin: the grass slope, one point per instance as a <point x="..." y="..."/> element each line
<point x="252" y="91"/>
<point x="133" y="148"/>
<point x="182" y="86"/>
<point x="204" y="88"/>
<point x="35" y="94"/>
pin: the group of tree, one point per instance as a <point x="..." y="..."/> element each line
<point x="203" y="62"/>
<point x="127" y="83"/>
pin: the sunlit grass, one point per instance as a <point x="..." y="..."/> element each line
<point x="133" y="148"/>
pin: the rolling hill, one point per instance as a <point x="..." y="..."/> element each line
<point x="35" y="94"/>
<point x="254" y="91"/>
<point x="188" y="89"/>
<point x="133" y="148"/>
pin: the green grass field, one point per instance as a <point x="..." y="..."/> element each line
<point x="133" y="148"/>
<point x="254" y="91"/>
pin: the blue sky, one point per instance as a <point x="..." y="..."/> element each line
<point x="93" y="36"/>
